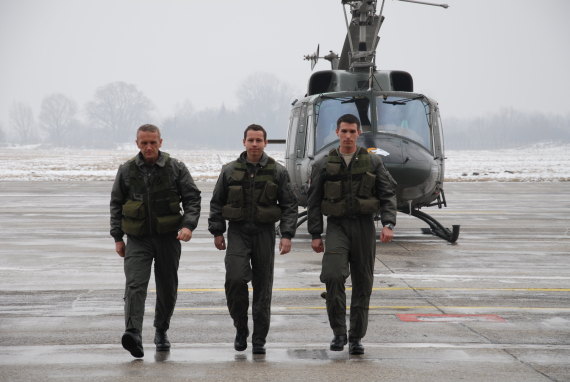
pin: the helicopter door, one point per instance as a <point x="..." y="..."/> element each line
<point x="300" y="145"/>
<point x="290" y="154"/>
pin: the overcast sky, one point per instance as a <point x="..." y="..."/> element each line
<point x="474" y="57"/>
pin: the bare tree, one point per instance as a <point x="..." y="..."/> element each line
<point x="119" y="108"/>
<point x="3" y="135"/>
<point x="57" y="116"/>
<point x="266" y="100"/>
<point x="22" y="121"/>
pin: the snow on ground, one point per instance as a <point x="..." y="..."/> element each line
<point x="543" y="161"/>
<point x="539" y="162"/>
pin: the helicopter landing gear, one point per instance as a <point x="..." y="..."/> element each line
<point x="301" y="218"/>
<point x="435" y="227"/>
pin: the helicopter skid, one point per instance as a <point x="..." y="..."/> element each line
<point x="435" y="227"/>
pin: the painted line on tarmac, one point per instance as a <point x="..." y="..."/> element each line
<point x="393" y="289"/>
<point x="398" y="307"/>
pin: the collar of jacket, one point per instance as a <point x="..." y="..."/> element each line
<point x="161" y="161"/>
<point x="262" y="161"/>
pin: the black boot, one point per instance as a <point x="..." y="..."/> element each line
<point x="132" y="341"/>
<point x="355" y="346"/>
<point x="338" y="342"/>
<point x="161" y="340"/>
<point x="258" y="349"/>
<point x="240" y="343"/>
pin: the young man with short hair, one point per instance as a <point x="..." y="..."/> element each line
<point x="252" y="193"/>
<point x="349" y="186"/>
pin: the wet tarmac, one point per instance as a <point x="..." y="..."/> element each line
<point x="493" y="306"/>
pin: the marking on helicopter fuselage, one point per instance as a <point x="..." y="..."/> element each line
<point x="378" y="151"/>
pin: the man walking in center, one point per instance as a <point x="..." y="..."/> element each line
<point x="145" y="204"/>
<point x="252" y="193"/>
<point x="349" y="186"/>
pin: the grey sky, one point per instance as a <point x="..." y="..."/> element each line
<point x="475" y="57"/>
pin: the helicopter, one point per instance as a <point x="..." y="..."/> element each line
<point x="401" y="126"/>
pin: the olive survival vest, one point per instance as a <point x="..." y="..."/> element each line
<point x="252" y="196"/>
<point x="151" y="210"/>
<point x="349" y="191"/>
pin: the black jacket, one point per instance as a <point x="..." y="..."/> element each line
<point x="286" y="198"/>
<point x="385" y="192"/>
<point x="181" y="183"/>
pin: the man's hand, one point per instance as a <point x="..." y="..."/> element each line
<point x="120" y="248"/>
<point x="285" y="246"/>
<point x="185" y="234"/>
<point x="387" y="235"/>
<point x="317" y="245"/>
<point x="220" y="242"/>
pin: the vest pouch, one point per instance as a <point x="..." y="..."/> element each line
<point x="237" y="176"/>
<point x="367" y="185"/>
<point x="267" y="214"/>
<point x="233" y="214"/>
<point x="333" y="168"/>
<point x="168" y="223"/>
<point x="134" y="209"/>
<point x="333" y="190"/>
<point x="235" y="196"/>
<point x="335" y="210"/>
<point x="174" y="207"/>
<point x="366" y="206"/>
<point x="135" y="227"/>
<point x="269" y="194"/>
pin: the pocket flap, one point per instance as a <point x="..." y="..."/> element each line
<point x="271" y="190"/>
<point x="333" y="190"/>
<point x="134" y="209"/>
<point x="237" y="175"/>
<point x="333" y="168"/>
<point x="367" y="184"/>
<point x="235" y="196"/>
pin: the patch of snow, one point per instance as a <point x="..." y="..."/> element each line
<point x="543" y="161"/>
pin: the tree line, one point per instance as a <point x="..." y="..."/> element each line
<point x="506" y="128"/>
<point x="118" y="109"/>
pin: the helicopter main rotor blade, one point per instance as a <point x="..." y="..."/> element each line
<point x="424" y="3"/>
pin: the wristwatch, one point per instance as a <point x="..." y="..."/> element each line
<point x="389" y="225"/>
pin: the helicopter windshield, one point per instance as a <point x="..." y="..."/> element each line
<point x="330" y="110"/>
<point x="405" y="116"/>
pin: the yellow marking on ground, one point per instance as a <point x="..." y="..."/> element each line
<point x="396" y="307"/>
<point x="391" y="289"/>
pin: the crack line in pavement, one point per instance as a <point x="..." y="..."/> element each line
<point x="412" y="288"/>
<point x="528" y="365"/>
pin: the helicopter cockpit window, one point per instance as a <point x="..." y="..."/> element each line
<point x="405" y="116"/>
<point x="328" y="111"/>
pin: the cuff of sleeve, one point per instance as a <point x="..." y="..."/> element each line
<point x="217" y="233"/>
<point x="285" y="235"/>
<point x="316" y="236"/>
<point x="118" y="238"/>
<point x="191" y="228"/>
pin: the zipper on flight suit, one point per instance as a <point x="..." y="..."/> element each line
<point x="252" y="191"/>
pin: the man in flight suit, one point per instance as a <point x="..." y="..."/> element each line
<point x="348" y="186"/>
<point x="252" y="193"/>
<point x="145" y="204"/>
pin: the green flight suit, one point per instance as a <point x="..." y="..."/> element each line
<point x="350" y="242"/>
<point x="144" y="204"/>
<point x="250" y="253"/>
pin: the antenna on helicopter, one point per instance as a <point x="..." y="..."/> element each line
<point x="314" y="58"/>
